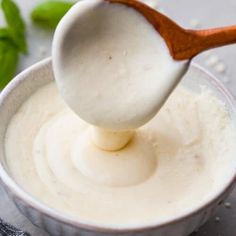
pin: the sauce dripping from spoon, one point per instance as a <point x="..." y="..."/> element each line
<point x="117" y="61"/>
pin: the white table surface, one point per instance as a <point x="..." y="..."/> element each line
<point x="209" y="13"/>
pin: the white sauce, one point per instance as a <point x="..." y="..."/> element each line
<point x="173" y="164"/>
<point x="115" y="71"/>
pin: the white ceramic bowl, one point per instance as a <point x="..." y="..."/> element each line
<point x="57" y="224"/>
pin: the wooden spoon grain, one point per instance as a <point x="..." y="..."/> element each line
<point x="183" y="43"/>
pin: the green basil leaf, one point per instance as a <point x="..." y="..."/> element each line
<point x="48" y="14"/>
<point x="8" y="61"/>
<point x="15" y="23"/>
<point x="5" y="33"/>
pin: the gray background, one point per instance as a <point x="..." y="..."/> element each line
<point x="209" y="13"/>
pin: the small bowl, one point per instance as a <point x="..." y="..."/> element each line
<point x="56" y="223"/>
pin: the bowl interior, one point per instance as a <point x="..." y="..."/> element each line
<point x="40" y="74"/>
<point x="18" y="91"/>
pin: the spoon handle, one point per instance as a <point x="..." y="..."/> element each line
<point x="197" y="41"/>
<point x="183" y="44"/>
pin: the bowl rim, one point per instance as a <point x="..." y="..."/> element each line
<point x="15" y="189"/>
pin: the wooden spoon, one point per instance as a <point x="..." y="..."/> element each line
<point x="183" y="43"/>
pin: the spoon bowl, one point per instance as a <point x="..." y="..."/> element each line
<point x="111" y="66"/>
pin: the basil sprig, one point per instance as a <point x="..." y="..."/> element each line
<point x="12" y="41"/>
<point x="13" y="36"/>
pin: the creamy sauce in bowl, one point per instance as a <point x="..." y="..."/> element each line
<point x="188" y="151"/>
